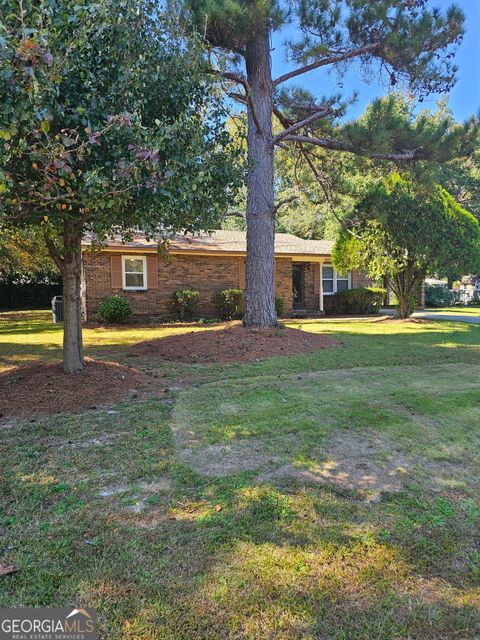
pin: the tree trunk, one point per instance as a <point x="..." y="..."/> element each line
<point x="72" y="307"/>
<point x="406" y="287"/>
<point x="260" y="268"/>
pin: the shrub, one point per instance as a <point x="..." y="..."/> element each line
<point x="185" y="302"/>
<point x="114" y="309"/>
<point x="361" y="301"/>
<point x="231" y="302"/>
<point x="437" y="295"/>
<point x="280" y="307"/>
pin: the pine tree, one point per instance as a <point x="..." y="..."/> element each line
<point x="403" y="40"/>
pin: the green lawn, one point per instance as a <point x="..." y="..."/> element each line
<point x="332" y="495"/>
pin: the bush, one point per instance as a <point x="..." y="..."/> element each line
<point x="185" y="302"/>
<point x="437" y="295"/>
<point x="231" y="303"/>
<point x="280" y="307"/>
<point x="114" y="309"/>
<point x="361" y="301"/>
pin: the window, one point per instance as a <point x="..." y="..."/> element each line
<point x="328" y="277"/>
<point x="333" y="281"/>
<point x="134" y="272"/>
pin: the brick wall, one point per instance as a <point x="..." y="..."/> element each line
<point x="206" y="274"/>
<point x="283" y="282"/>
<point x="360" y="280"/>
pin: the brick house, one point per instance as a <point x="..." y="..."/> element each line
<point x="208" y="264"/>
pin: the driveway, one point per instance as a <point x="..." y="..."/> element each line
<point x="434" y="315"/>
<point x="453" y="317"/>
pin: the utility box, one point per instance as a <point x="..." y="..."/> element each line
<point x="57" y="309"/>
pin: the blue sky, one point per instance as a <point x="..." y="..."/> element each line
<point x="464" y="97"/>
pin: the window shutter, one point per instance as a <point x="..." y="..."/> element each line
<point x="152" y="272"/>
<point x="116" y="271"/>
<point x="241" y="273"/>
<point x="316" y="279"/>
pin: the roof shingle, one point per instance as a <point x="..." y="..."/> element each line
<point x="222" y="242"/>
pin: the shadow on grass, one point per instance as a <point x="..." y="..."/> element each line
<point x="223" y="558"/>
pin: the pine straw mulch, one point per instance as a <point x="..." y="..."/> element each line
<point x="233" y="343"/>
<point x="43" y="388"/>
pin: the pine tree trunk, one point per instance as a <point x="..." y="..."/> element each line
<point x="260" y="268"/>
<point x="72" y="307"/>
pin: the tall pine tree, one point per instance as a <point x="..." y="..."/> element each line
<point x="405" y="40"/>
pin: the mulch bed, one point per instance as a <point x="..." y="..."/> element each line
<point x="43" y="388"/>
<point x="233" y="344"/>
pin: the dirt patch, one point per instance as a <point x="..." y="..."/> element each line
<point x="354" y="463"/>
<point x="227" y="459"/>
<point x="366" y="463"/>
<point x="233" y="344"/>
<point x="41" y="388"/>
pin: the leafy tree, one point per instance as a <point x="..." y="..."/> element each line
<point x="23" y="254"/>
<point x="401" y="231"/>
<point x="106" y="124"/>
<point x="329" y="185"/>
<point x="400" y="39"/>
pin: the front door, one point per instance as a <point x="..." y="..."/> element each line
<point x="298" y="288"/>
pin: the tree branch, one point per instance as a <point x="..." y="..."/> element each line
<point x="235" y="77"/>
<point x="52" y="250"/>
<point x="283" y="202"/>
<point x="341" y="145"/>
<point x="339" y="57"/>
<point x="321" y="113"/>
<point x="240" y="79"/>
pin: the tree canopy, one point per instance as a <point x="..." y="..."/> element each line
<point x="402" y="230"/>
<point x="106" y="124"/>
<point x="328" y="185"/>
<point x="405" y="42"/>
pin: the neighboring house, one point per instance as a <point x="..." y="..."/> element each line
<point x="469" y="288"/>
<point x="304" y="274"/>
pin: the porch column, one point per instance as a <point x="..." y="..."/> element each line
<point x="320" y="287"/>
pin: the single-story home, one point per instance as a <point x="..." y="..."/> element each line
<point x="207" y="263"/>
<point x="468" y="288"/>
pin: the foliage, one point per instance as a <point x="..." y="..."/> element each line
<point x="361" y="301"/>
<point x="437" y="295"/>
<point x="185" y="302"/>
<point x="326" y="197"/>
<point x="231" y="302"/>
<point x="107" y="123"/>
<point x="404" y="42"/>
<point x="413" y="43"/>
<point x="28" y="276"/>
<point x="36" y="293"/>
<point x="99" y="120"/>
<point x="24" y="257"/>
<point x="114" y="309"/>
<point x="402" y="230"/>
<point x="280" y="307"/>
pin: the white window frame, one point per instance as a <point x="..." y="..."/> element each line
<point x="124" y="285"/>
<point x="336" y="276"/>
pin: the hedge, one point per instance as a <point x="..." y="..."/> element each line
<point x="362" y="301"/>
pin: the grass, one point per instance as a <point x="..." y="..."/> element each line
<point x="331" y="495"/>
<point x="470" y="310"/>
